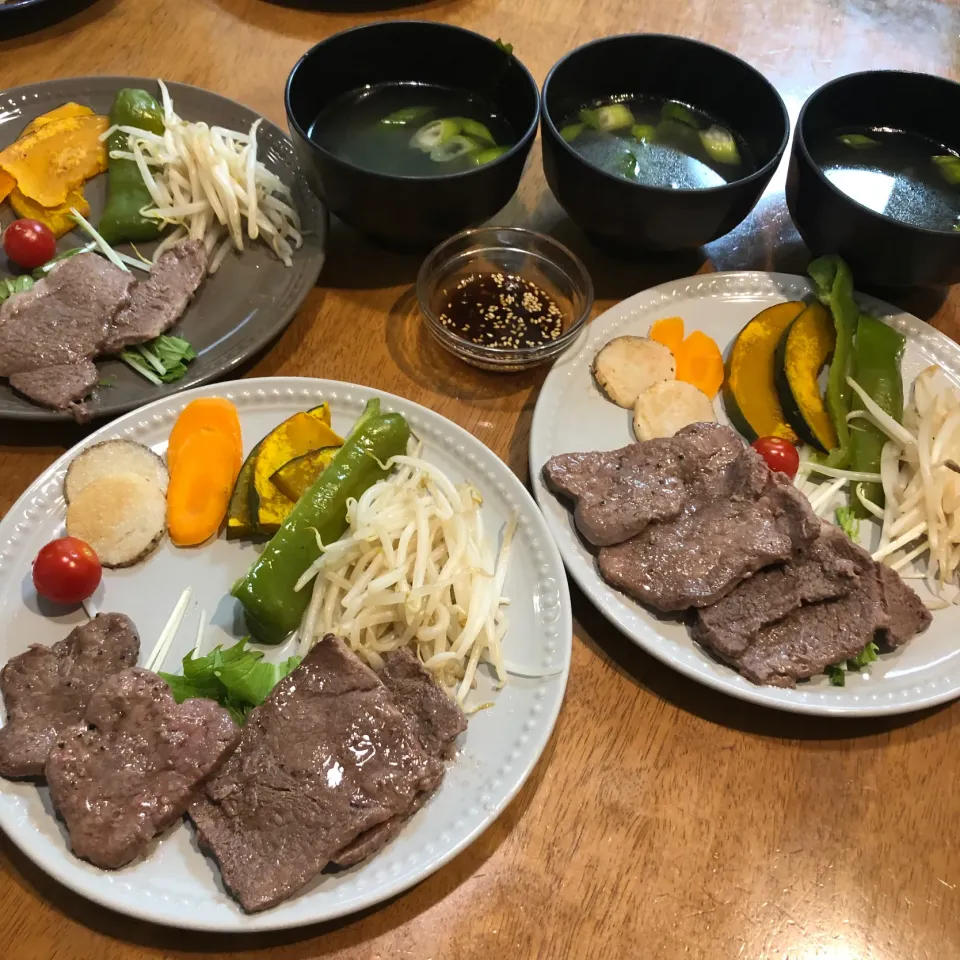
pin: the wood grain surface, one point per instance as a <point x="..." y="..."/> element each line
<point x="664" y="820"/>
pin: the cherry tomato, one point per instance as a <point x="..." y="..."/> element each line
<point x="66" y="571"/>
<point x="780" y="454"/>
<point x="29" y="243"/>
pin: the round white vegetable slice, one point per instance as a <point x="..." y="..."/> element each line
<point x="668" y="407"/>
<point x="122" y="516"/>
<point x="627" y="366"/>
<point x="113" y="457"/>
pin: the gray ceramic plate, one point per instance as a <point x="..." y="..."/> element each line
<point x="240" y="308"/>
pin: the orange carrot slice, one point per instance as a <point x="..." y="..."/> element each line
<point x="204" y="454"/>
<point x="699" y="362"/>
<point x="210" y="414"/>
<point x="669" y="332"/>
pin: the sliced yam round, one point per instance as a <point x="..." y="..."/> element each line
<point x="122" y="516"/>
<point x="112" y="457"/>
<point x="668" y="407"/>
<point x="627" y="366"/>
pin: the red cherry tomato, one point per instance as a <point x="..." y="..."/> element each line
<point x="29" y="243"/>
<point x="66" y="571"/>
<point x="780" y="454"/>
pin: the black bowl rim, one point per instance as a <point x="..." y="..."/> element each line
<point x="800" y="143"/>
<point x="522" y="144"/>
<point x="766" y="170"/>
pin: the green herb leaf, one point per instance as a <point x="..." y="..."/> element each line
<point x="849" y="523"/>
<point x="161" y="360"/>
<point x="836" y="675"/>
<point x="107" y="382"/>
<point x="237" y="678"/>
<point x="858" y="141"/>
<point x="507" y="48"/>
<point x="867" y="655"/>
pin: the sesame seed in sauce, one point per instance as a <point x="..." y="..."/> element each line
<point x="502" y="310"/>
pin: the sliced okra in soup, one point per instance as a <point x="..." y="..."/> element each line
<point x="720" y="145"/>
<point x="609" y="118"/>
<point x="435" y="134"/>
<point x="453" y="148"/>
<point x="406" y="116"/>
<point x="675" y="111"/>
<point x="858" y="141"/>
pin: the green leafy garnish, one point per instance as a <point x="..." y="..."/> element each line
<point x="13" y="285"/>
<point x="849" y="523"/>
<point x="161" y="360"/>
<point x="626" y="165"/>
<point x="949" y="167"/>
<point x="858" y="141"/>
<point x="237" y="678"/>
<point x="836" y="675"/>
<point x="867" y="655"/>
<point x="507" y="48"/>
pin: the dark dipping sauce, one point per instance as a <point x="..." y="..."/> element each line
<point x="502" y="310"/>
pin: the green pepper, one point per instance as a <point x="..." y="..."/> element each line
<point x="876" y="368"/>
<point x="127" y="194"/>
<point x="834" y="284"/>
<point x="273" y="608"/>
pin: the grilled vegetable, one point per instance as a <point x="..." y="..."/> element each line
<point x="239" y="519"/>
<point x="112" y="457"/>
<point x="57" y="158"/>
<point x="127" y="195"/>
<point x="700" y="362"/>
<point x="296" y="436"/>
<point x="668" y="407"/>
<point x="750" y="393"/>
<point x="835" y="290"/>
<point x="273" y="608"/>
<point x="58" y="219"/>
<point x="63" y="112"/>
<point x="803" y="351"/>
<point x="669" y="332"/>
<point x="121" y="516"/>
<point x="205" y="415"/>
<point x="293" y="479"/>
<point x="876" y="368"/>
<point x="627" y="366"/>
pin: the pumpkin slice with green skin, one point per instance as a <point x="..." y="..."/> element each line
<point x="803" y="351"/>
<point x="239" y="519"/>
<point x="297" y="435"/>
<point x="297" y="476"/>
<point x="749" y="390"/>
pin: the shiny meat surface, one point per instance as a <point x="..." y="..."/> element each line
<point x="63" y="319"/>
<point x="436" y="720"/>
<point x="325" y="758"/>
<point x="619" y="492"/>
<point x="58" y="386"/>
<point x="699" y="557"/>
<point x="905" y="610"/>
<point x="132" y="768"/>
<point x="823" y="572"/>
<point x="46" y="689"/>
<point x="159" y="301"/>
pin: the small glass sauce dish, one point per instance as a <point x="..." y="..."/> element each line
<point x="504" y="298"/>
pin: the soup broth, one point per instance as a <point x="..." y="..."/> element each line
<point x="901" y="175"/>
<point x="658" y="142"/>
<point x="413" y="130"/>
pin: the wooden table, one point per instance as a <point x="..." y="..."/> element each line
<point x="664" y="820"/>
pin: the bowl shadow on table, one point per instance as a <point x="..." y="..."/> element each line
<point x="356" y="263"/>
<point x="713" y="706"/>
<point x="303" y="943"/>
<point x="43" y="24"/>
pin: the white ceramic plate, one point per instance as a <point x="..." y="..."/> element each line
<point x="571" y="415"/>
<point x="176" y="884"/>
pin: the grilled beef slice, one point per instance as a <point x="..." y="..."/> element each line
<point x="132" y="768"/>
<point x="619" y="492"/>
<point x="46" y="689"/>
<point x="905" y="610"/>
<point x="326" y="757"/>
<point x="747" y="519"/>
<point x="159" y="301"/>
<point x="57" y="386"/>
<point x="436" y="721"/>
<point x="823" y="572"/>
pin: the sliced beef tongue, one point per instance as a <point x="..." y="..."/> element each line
<point x="749" y="518"/>
<point x="825" y="571"/>
<point x="619" y="492"/>
<point x="905" y="610"/>
<point x="46" y="689"/>
<point x="437" y="722"/>
<point x="58" y="386"/>
<point x="133" y="767"/>
<point x="62" y="319"/>
<point x="159" y="301"/>
<point x="326" y="757"/>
